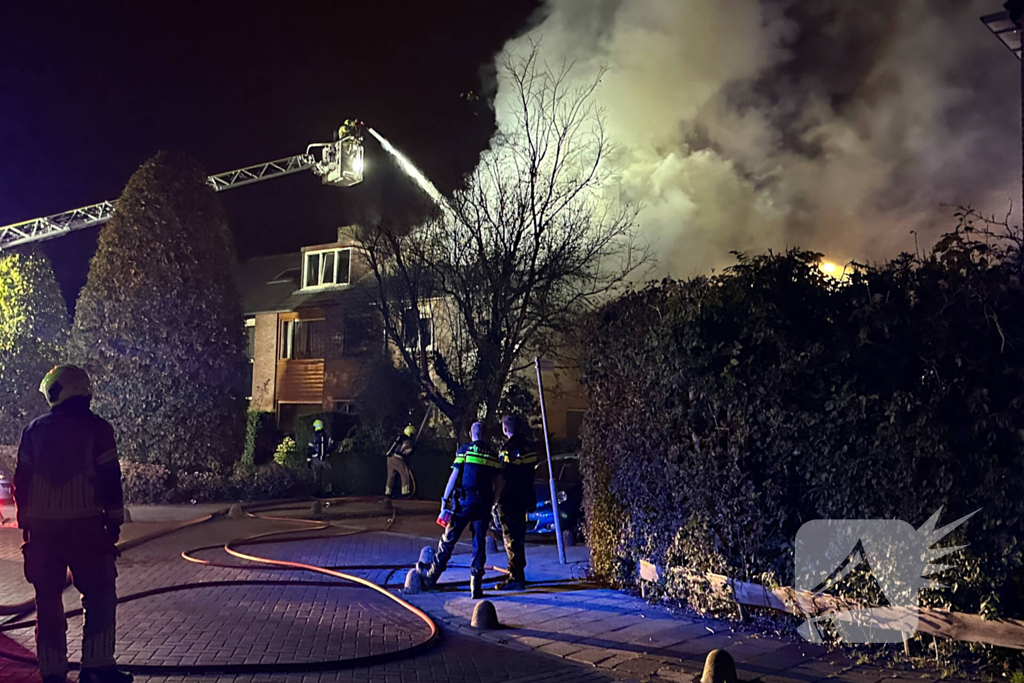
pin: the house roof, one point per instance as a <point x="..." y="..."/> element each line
<point x="270" y="284"/>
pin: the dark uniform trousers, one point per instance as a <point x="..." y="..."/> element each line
<point x="512" y="517"/>
<point x="83" y="547"/>
<point x="471" y="511"/>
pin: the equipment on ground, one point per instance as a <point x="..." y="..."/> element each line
<point x="339" y="163"/>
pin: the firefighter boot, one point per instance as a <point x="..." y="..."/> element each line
<point x="476" y="587"/>
<point x="511" y="582"/>
<point x="107" y="674"/>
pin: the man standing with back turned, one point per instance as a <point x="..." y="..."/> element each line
<point x="478" y="469"/>
<point x="70" y="508"/>
<point x="517" y="499"/>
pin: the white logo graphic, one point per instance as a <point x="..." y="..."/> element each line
<point x="899" y="557"/>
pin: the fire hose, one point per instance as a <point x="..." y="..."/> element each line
<point x="264" y="563"/>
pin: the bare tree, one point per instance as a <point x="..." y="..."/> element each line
<point x="536" y="236"/>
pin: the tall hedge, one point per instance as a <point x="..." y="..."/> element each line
<point x="33" y="331"/>
<point x="726" y="411"/>
<point x="159" y="322"/>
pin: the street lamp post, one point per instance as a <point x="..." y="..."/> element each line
<point x="1006" y="26"/>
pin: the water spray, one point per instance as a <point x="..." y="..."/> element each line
<point x="411" y="171"/>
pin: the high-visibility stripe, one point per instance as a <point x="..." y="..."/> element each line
<point x="488" y="462"/>
<point x="107" y="457"/>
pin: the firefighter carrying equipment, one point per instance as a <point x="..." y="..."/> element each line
<point x="398" y="466"/>
<point x="64" y="381"/>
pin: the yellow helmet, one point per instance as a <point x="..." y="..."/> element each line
<point x="410" y="431"/>
<point x="63" y="382"/>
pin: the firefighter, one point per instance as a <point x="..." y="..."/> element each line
<point x="516" y="499"/>
<point x="70" y="508"/>
<point x="398" y="456"/>
<point x="476" y="473"/>
<point x="317" y="453"/>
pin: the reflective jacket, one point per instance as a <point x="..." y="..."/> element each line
<point x="319" y="446"/>
<point x="68" y="468"/>
<point x="519" y="456"/>
<point x="478" y="464"/>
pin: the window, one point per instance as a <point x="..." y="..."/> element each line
<point x="303" y="339"/>
<point x="416" y="324"/>
<point x="250" y="353"/>
<point x="360" y="334"/>
<point x="345" y="407"/>
<point x="250" y="338"/>
<point x="329" y="267"/>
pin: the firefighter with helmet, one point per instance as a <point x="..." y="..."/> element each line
<point x="67" y="486"/>
<point x="317" y="453"/>
<point x="398" y="462"/>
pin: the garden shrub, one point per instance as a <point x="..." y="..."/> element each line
<point x="261" y="437"/>
<point x="33" y="332"/>
<point x="145" y="483"/>
<point x="724" y="412"/>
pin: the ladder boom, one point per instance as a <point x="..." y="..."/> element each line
<point x="340" y="164"/>
<point x="254" y="174"/>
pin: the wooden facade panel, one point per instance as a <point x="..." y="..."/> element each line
<point x="300" y="381"/>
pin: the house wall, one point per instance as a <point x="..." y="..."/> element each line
<point x="564" y="400"/>
<point x="264" y="369"/>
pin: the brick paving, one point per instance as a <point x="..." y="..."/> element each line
<point x="290" y="623"/>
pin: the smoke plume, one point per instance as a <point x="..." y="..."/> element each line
<point x="830" y="125"/>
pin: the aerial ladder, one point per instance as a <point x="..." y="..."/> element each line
<point x="338" y="163"/>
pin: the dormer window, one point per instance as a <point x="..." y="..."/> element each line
<point x="326" y="267"/>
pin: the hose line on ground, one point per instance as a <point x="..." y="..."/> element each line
<point x="232" y="548"/>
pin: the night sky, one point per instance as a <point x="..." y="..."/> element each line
<point x="88" y="91"/>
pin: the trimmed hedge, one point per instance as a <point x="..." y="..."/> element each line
<point x="724" y="412"/>
<point x="158" y="323"/>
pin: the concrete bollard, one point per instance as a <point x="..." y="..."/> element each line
<point x="492" y="545"/>
<point x="719" y="667"/>
<point x="127" y="516"/>
<point x="485" y="617"/>
<point x="413" y="583"/>
<point x="568" y="538"/>
<point x="316" y="509"/>
<point x="236" y="512"/>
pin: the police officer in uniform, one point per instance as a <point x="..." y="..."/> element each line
<point x="476" y="472"/>
<point x="320" y="446"/>
<point x="517" y="498"/>
<point x="70" y="508"/>
<point x="398" y="464"/>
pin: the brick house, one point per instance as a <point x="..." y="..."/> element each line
<point x="312" y="332"/>
<point x="313" y="335"/>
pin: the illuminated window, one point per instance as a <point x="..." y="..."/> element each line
<point x="327" y="267"/>
<point x="303" y="339"/>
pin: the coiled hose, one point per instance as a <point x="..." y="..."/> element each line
<point x="231" y="548"/>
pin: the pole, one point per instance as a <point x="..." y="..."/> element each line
<point x="551" y="469"/>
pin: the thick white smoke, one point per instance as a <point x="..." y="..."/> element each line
<point x="831" y="125"/>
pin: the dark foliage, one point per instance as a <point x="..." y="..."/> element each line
<point x="33" y="331"/>
<point x="158" y="323"/>
<point x="726" y="411"/>
<point x="261" y="437"/>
